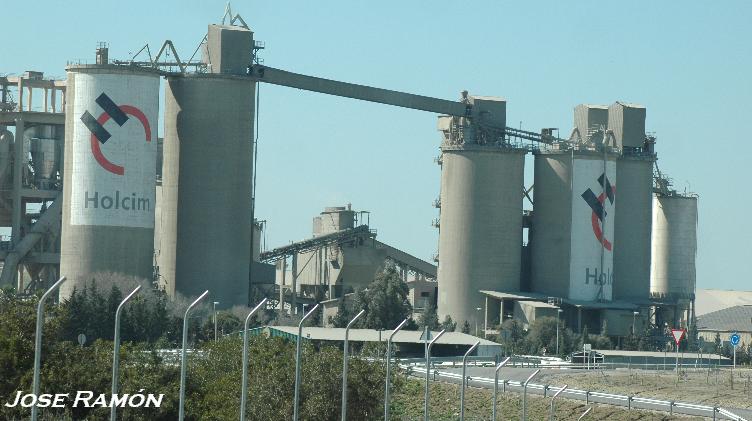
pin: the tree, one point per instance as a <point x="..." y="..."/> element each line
<point x="511" y="335"/>
<point x="429" y="318"/>
<point x="448" y="324"/>
<point x="466" y="327"/>
<point x="343" y="316"/>
<point x="385" y="301"/>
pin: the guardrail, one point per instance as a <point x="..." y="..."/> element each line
<point x="628" y="401"/>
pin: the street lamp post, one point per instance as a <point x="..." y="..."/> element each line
<point x="496" y="387"/>
<point x="345" y="357"/>
<point x="215" y="320"/>
<point x="558" y="321"/>
<point x="428" y="369"/>
<point x="464" y="380"/>
<point x="551" y="414"/>
<point x="183" y="362"/>
<point x="244" y="391"/>
<point x="524" y="395"/>
<point x="116" y="351"/>
<point x="477" y="316"/>
<point x="38" y="344"/>
<point x="298" y="362"/>
<point x="388" y="366"/>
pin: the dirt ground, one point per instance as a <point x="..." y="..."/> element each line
<point x="708" y="387"/>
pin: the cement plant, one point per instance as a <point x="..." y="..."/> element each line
<point x="608" y="239"/>
<point x="144" y="167"/>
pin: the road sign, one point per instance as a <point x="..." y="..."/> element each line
<point x="735" y="338"/>
<point x="678" y="335"/>
<point x="587" y="347"/>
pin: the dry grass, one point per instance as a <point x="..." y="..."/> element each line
<point x="697" y="386"/>
<point x="408" y="405"/>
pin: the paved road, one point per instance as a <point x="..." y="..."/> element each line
<point x="483" y="377"/>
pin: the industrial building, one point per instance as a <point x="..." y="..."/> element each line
<point x="608" y="240"/>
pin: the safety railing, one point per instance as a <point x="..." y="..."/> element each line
<point x="589" y="396"/>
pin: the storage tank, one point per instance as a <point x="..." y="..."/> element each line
<point x="672" y="269"/>
<point x="572" y="239"/>
<point x="111" y="122"/>
<point x="633" y="227"/>
<point x="206" y="186"/>
<point x="480" y="227"/>
<point x="45" y="159"/>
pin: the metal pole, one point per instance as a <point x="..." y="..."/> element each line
<point x="116" y="351"/>
<point x="524" y="395"/>
<point x="215" y="320"/>
<point x="183" y="362"/>
<point x="298" y="362"/>
<point x="244" y="390"/>
<point x="428" y="368"/>
<point x="551" y="415"/>
<point x="388" y="367"/>
<point x="496" y="387"/>
<point x="464" y="380"/>
<point x="558" y="321"/>
<point x="345" y="357"/>
<point x="38" y="344"/>
<point x="585" y="413"/>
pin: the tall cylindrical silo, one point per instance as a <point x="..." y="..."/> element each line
<point x="672" y="269"/>
<point x="572" y="239"/>
<point x="632" y="227"/>
<point x="206" y="186"/>
<point x="480" y="228"/>
<point x="111" y="122"/>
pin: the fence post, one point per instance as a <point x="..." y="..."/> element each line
<point x="244" y="381"/>
<point x="496" y="388"/>
<point x="299" y="362"/>
<point x="428" y="368"/>
<point x="345" y="357"/>
<point x="38" y="345"/>
<point x="183" y="356"/>
<point x="524" y="394"/>
<point x="587" y="397"/>
<point x="388" y="362"/>
<point x="462" y="391"/>
<point x="116" y="351"/>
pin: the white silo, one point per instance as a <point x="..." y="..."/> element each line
<point x="109" y="178"/>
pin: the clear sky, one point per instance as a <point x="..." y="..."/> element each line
<point x="689" y="63"/>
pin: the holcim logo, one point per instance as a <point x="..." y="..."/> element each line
<point x="100" y="135"/>
<point x="598" y="205"/>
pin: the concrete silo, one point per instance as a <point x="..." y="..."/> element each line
<point x="206" y="186"/>
<point x="480" y="226"/>
<point x="572" y="238"/>
<point x="672" y="269"/>
<point x="206" y="215"/>
<point x="109" y="178"/>
<point x="634" y="216"/>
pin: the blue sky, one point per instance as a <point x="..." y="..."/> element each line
<point x="690" y="65"/>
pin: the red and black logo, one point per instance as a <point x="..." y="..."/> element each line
<point x="118" y="113"/>
<point x="597" y="204"/>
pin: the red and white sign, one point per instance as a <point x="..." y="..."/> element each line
<point x="113" y="150"/>
<point x="678" y="334"/>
